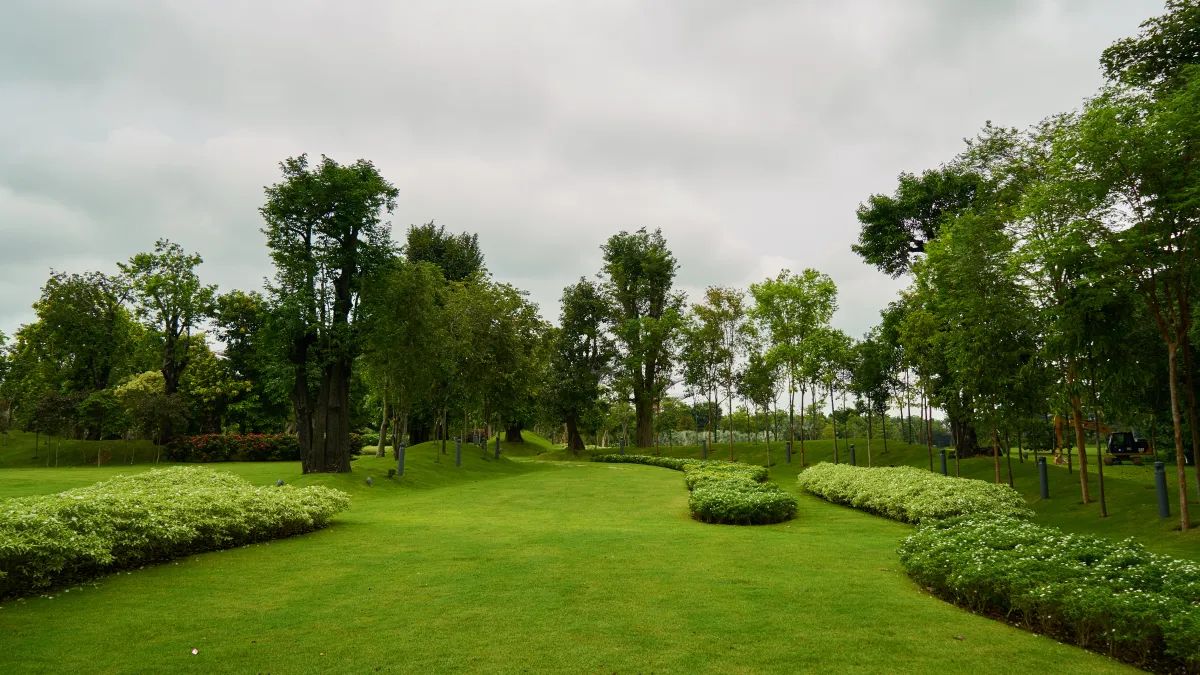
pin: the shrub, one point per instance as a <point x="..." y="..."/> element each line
<point x="723" y="492"/>
<point x="909" y="494"/>
<point x="234" y="448"/>
<point x="147" y="517"/>
<point x="356" y="444"/>
<point x="1108" y="596"/>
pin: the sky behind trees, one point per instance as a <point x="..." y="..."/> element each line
<point x="748" y="134"/>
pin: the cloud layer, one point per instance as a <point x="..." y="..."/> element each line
<point x="748" y="132"/>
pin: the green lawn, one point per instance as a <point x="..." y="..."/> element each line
<point x="519" y="565"/>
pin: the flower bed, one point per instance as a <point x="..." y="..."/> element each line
<point x="153" y="516"/>
<point x="1112" y="597"/>
<point x="234" y="448"/>
<point x="909" y="494"/>
<point x="723" y="492"/>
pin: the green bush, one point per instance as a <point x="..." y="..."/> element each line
<point x="1113" y="597"/>
<point x="909" y="494"/>
<point x="147" y="517"/>
<point x="723" y="492"/>
<point x="234" y="448"/>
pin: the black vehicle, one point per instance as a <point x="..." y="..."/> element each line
<point x="1122" y="445"/>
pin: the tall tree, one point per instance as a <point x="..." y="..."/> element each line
<point x="723" y="314"/>
<point x="326" y="233"/>
<point x="581" y="355"/>
<point x="172" y="301"/>
<point x="638" y="275"/>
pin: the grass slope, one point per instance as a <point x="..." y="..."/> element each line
<point x="1133" y="511"/>
<point x="520" y="566"/>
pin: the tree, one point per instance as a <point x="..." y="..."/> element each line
<point x="790" y="309"/>
<point x="638" y="274"/>
<point x="723" y="316"/>
<point x="457" y="255"/>
<point x="240" y="320"/>
<point x="1157" y="57"/>
<point x="327" y="238"/>
<point x="895" y="228"/>
<point x="86" y="328"/>
<point x="581" y="355"/>
<point x="172" y="301"/>
<point x="401" y="313"/>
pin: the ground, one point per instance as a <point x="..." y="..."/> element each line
<point x="537" y="563"/>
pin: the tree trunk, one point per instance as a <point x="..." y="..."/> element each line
<point x="644" y="415"/>
<point x="1077" y="416"/>
<point x="1008" y="457"/>
<point x="833" y="421"/>
<point x="996" y="452"/>
<point x="801" y="428"/>
<point x="730" y="392"/>
<point x="383" y="427"/>
<point x="574" y="440"/>
<point x="870" y="424"/>
<point x="330" y="452"/>
<point x="513" y="434"/>
<point x="1172" y="370"/>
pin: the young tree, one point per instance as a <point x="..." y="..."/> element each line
<point x="327" y="237"/>
<point x="172" y="301"/>
<point x="791" y="309"/>
<point x="723" y="316"/>
<point x="638" y="274"/>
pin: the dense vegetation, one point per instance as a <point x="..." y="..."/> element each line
<point x="909" y="494"/>
<point x="127" y="521"/>
<point x="1115" y="598"/>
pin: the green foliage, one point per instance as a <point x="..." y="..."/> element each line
<point x="456" y="255"/>
<point x="639" y="273"/>
<point x="158" y="515"/>
<point x="895" y="228"/>
<point x="1158" y="54"/>
<point x="909" y="494"/>
<point x="234" y="448"/>
<point x="581" y="354"/>
<point x="725" y="493"/>
<point x="1111" y="597"/>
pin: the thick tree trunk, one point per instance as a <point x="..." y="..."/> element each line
<point x="643" y="408"/>
<point x="996" y="452"/>
<point x="574" y="440"/>
<point x="513" y="435"/>
<point x="330" y="452"/>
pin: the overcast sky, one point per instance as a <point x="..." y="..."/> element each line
<point x="747" y="131"/>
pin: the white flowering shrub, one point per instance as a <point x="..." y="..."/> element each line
<point x="1113" y="597"/>
<point x="723" y="492"/>
<point x="909" y="494"/>
<point x="147" y="517"/>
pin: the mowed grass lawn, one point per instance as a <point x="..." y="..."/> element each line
<point x="519" y="566"/>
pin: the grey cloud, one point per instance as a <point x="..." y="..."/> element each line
<point x="748" y="131"/>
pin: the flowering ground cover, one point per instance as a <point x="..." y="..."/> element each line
<point x="909" y="494"/>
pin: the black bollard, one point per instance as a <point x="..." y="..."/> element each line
<point x="458" y="452"/>
<point x="1160" y="483"/>
<point x="497" y="446"/>
<point x="788" y="451"/>
<point x="400" y="461"/>
<point x="853" y="461"/>
<point x="622" y="446"/>
<point x="704" y="448"/>
<point x="942" y="453"/>
<point x="1043" y="478"/>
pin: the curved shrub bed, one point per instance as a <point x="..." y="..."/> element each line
<point x="235" y="448"/>
<point x="909" y="494"/>
<point x="723" y="492"/>
<point x="1111" y="597"/>
<point x="148" y="517"/>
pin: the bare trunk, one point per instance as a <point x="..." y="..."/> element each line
<point x="833" y="421"/>
<point x="574" y="440"/>
<point x="383" y="427"/>
<point x="1190" y="392"/>
<point x="996" y="452"/>
<point x="1077" y="416"/>
<point x="1172" y="369"/>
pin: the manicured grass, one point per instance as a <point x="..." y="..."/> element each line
<point x="1133" y="511"/>
<point x="520" y="566"/>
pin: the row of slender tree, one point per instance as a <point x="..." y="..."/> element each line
<point x="1047" y="262"/>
